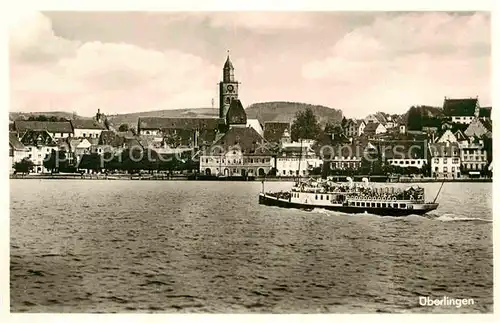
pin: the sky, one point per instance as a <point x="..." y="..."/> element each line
<point x="359" y="62"/>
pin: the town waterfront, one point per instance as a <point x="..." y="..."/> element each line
<point x="195" y="246"/>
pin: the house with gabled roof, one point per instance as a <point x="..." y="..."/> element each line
<point x="461" y="110"/>
<point x="40" y="144"/>
<point x="374" y="128"/>
<point x="354" y="128"/>
<point x="56" y="129"/>
<point x="240" y="151"/>
<point x="17" y="151"/>
<point x="478" y="128"/>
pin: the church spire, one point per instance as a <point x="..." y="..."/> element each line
<point x="228" y="65"/>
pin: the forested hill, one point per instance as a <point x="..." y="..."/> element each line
<point x="286" y="111"/>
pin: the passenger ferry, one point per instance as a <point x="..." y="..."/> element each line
<point x="351" y="197"/>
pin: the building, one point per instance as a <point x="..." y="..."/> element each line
<point x="87" y="128"/>
<point x="461" y="110"/>
<point x="354" y="128"/>
<point x="295" y="159"/>
<point x="445" y="160"/>
<point x="405" y="153"/>
<point x="40" y="144"/>
<point x="346" y="156"/>
<point x="478" y="128"/>
<point x="56" y="129"/>
<point x="17" y="151"/>
<point x="241" y="151"/>
<point x="473" y="156"/>
<point x="374" y="128"/>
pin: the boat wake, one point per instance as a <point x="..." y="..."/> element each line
<point x="450" y="217"/>
<point x="435" y="217"/>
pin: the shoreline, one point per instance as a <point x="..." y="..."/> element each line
<point x="121" y="177"/>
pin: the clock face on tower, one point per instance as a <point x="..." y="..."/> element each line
<point x="230" y="88"/>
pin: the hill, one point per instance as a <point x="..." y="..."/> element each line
<point x="131" y="118"/>
<point x="59" y="114"/>
<point x="285" y="111"/>
<point x="265" y="111"/>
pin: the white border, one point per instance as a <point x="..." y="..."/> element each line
<point x="8" y="13"/>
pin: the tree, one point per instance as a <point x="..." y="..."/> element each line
<point x="330" y="128"/>
<point x="305" y="126"/>
<point x="56" y="161"/>
<point x="24" y="166"/>
<point x="123" y="127"/>
<point x="414" y="118"/>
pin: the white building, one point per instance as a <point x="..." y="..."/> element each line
<point x="87" y="128"/>
<point x="354" y="128"/>
<point x="291" y="162"/>
<point x="39" y="144"/>
<point x="445" y="160"/>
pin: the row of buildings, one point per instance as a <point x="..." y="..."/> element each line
<point x="234" y="145"/>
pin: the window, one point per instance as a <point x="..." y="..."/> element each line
<point x="85" y="135"/>
<point x="378" y="204"/>
<point x="402" y="205"/>
<point x="436" y="160"/>
<point x="373" y="204"/>
<point x="445" y="160"/>
<point x="321" y="196"/>
<point x="436" y="169"/>
<point x="455" y="160"/>
<point x="316" y="197"/>
<point x="453" y="168"/>
<point x="407" y="162"/>
<point x="362" y="203"/>
<point x="413" y="162"/>
<point x="445" y="169"/>
<point x="284" y="172"/>
<point x="357" y="204"/>
<point x="328" y="197"/>
<point x="384" y="205"/>
<point x="401" y="162"/>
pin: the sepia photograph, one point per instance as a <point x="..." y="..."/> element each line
<point x="277" y="162"/>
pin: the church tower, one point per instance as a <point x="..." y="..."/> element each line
<point x="228" y="88"/>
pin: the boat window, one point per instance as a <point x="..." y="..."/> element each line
<point x="357" y="203"/>
<point x="373" y="204"/>
<point x="362" y="203"/>
<point x="402" y="205"/>
<point x="328" y="197"/>
<point x="383" y="205"/>
<point x="378" y="204"/>
<point x="395" y="205"/>
<point x="321" y="196"/>
<point x="316" y="197"/>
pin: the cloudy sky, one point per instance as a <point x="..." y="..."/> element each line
<point x="137" y="61"/>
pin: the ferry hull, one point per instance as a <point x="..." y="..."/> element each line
<point x="419" y="209"/>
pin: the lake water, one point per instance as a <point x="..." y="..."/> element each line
<point x="173" y="246"/>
